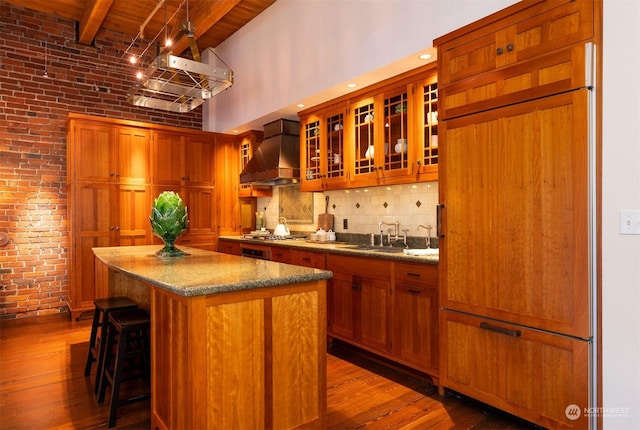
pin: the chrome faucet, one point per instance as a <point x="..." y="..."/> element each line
<point x="428" y="239"/>
<point x="396" y="225"/>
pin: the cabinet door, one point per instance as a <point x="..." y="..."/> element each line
<point x="94" y="157"/>
<point x="426" y="164"/>
<point x="515" y="216"/>
<point x="533" y="374"/>
<point x="202" y="218"/>
<point x="311" y="169"/>
<point x="199" y="160"/>
<point x="538" y="30"/>
<point x="168" y="158"/>
<point x="373" y="310"/>
<point x="363" y="168"/>
<point x="133" y="211"/>
<point x="416" y="326"/>
<point x="226" y="191"/>
<point x="133" y="156"/>
<point x="335" y="174"/>
<point x="397" y="134"/>
<point x="94" y="227"/>
<point x="340" y="305"/>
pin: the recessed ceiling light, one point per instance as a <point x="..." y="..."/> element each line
<point x="300" y="105"/>
<point x="425" y="56"/>
<point x="351" y="85"/>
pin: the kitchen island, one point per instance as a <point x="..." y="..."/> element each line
<point x="236" y="342"/>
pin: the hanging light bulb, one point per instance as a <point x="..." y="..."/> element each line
<point x="139" y="75"/>
<point x="133" y="59"/>
<point x="167" y="40"/>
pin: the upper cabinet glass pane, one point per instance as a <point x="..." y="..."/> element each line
<point x="335" y="146"/>
<point x="396" y="129"/>
<point x="430" y="128"/>
<point x="363" y="134"/>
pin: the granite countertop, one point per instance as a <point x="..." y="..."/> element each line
<point x="340" y="248"/>
<point x="203" y="272"/>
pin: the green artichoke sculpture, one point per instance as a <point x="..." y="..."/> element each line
<point x="169" y="219"/>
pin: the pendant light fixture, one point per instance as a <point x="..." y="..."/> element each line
<point x="177" y="84"/>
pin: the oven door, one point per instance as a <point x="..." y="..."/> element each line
<point x="253" y="251"/>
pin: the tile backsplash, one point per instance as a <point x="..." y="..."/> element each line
<point x="363" y="208"/>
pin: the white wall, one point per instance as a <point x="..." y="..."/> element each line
<point x="297" y="48"/>
<point x="621" y="190"/>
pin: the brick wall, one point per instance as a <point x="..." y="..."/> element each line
<point x="34" y="270"/>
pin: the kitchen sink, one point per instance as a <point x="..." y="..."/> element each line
<point x="421" y="251"/>
<point x="389" y="250"/>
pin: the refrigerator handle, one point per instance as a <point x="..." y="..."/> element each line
<point x="439" y="220"/>
<point x="513" y="333"/>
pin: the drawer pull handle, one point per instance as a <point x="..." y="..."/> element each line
<point x="513" y="333"/>
<point x="509" y="47"/>
<point x="499" y="51"/>
<point x="416" y="275"/>
<point x="356" y="287"/>
<point x="306" y="258"/>
<point x="414" y="291"/>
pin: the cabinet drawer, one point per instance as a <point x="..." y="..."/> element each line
<point x="533" y="374"/>
<point x="360" y="266"/>
<point x="232" y="248"/>
<point x="280" y="255"/>
<point x="422" y="275"/>
<point x="307" y="259"/>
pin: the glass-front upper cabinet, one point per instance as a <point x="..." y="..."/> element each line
<point x="334" y="138"/>
<point x="397" y="132"/>
<point x="427" y="156"/>
<point x="363" y="142"/>
<point x="311" y="172"/>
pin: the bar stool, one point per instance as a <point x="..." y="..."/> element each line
<point x="128" y="333"/>
<point x="103" y="307"/>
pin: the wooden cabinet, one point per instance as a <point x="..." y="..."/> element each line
<point x="416" y="316"/>
<point x="528" y="372"/>
<point x="536" y="54"/>
<point x="529" y="31"/>
<point x="183" y="158"/>
<point x="108" y="196"/>
<point x="115" y="170"/>
<point x="227" y="169"/>
<point x="359" y="308"/>
<point x="377" y="136"/>
<point x="323" y="150"/>
<point x="517" y="115"/>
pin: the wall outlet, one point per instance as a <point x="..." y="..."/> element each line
<point x="629" y="222"/>
<point x="345" y="224"/>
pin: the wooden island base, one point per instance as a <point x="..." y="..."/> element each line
<point x="245" y="360"/>
<point x="250" y="358"/>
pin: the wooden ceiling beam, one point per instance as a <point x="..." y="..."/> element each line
<point x="203" y="18"/>
<point x="92" y="18"/>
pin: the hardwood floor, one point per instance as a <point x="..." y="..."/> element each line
<point x="42" y="386"/>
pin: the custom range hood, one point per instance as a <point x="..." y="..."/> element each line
<point x="276" y="161"/>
